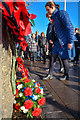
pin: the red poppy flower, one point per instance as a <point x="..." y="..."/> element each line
<point x="17" y="91"/>
<point x="27" y="29"/>
<point x="20" y="3"/>
<point x="21" y="24"/>
<point x="23" y="44"/>
<point x="38" y="84"/>
<point x="26" y="80"/>
<point x="17" y="107"/>
<point x="28" y="91"/>
<point x="22" y="28"/>
<point x="38" y="90"/>
<point x="26" y="24"/>
<point x="17" y="12"/>
<point x="20" y="60"/>
<point x="32" y="16"/>
<point x="21" y="38"/>
<point x="37" y="112"/>
<point x="21" y="31"/>
<point x="24" y="72"/>
<point x="17" y="17"/>
<point x="21" y="67"/>
<point x="10" y="6"/>
<point x="41" y="101"/>
<point x="28" y="104"/>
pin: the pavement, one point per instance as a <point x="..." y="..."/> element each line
<point x="62" y="97"/>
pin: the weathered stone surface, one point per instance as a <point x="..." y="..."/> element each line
<point x="6" y="65"/>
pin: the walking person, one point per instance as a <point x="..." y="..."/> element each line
<point x="26" y="53"/>
<point x="42" y="44"/>
<point x="51" y="37"/>
<point x="65" y="33"/>
<point x="33" y="47"/>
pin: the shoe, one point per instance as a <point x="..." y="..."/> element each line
<point x="47" y="69"/>
<point x="76" y="62"/>
<point x="38" y="57"/>
<point x="64" y="77"/>
<point x="44" y="62"/>
<point x="72" y="60"/>
<point x="60" y="70"/>
<point x="48" y="77"/>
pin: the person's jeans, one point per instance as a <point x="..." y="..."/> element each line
<point x="37" y="52"/>
<point x="43" y="54"/>
<point x="34" y="54"/>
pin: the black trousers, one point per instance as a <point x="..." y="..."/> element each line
<point x="77" y="51"/>
<point x="43" y="53"/>
<point x="64" y="62"/>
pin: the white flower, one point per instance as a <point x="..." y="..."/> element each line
<point x="33" y="80"/>
<point x="36" y="97"/>
<point x="20" y="94"/>
<point x="22" y="108"/>
<point x="14" y="101"/>
<point x="19" y="86"/>
<point x="41" y="91"/>
<point x="30" y="85"/>
<point x="25" y="110"/>
<point x="36" y="85"/>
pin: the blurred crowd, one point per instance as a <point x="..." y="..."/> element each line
<point x="38" y="47"/>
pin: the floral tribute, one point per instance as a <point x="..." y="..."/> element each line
<point x="18" y="19"/>
<point x="29" y="95"/>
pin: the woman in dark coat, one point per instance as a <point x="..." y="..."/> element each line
<point x="65" y="33"/>
<point x="42" y="44"/>
<point x="51" y="37"/>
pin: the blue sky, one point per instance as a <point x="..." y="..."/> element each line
<point x="41" y="22"/>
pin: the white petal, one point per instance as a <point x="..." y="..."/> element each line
<point x="22" y="108"/>
<point x="19" y="86"/>
<point x="20" y="94"/>
<point x="14" y="101"/>
<point x="25" y="111"/>
<point x="36" y="97"/>
<point x="41" y="91"/>
<point x="36" y="86"/>
<point x="33" y="80"/>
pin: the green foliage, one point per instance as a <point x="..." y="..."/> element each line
<point x="32" y="22"/>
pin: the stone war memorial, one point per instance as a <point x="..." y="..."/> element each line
<point x="22" y="94"/>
